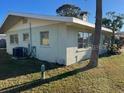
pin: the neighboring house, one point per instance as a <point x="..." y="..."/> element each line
<point x="120" y="36"/>
<point x="63" y="40"/>
<point x="2" y="41"/>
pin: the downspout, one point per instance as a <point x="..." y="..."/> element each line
<point x="30" y="44"/>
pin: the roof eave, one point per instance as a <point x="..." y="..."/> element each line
<point x="81" y="22"/>
<point x="52" y="18"/>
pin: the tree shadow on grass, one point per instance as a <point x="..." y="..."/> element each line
<point x="14" y="68"/>
<point x="10" y="68"/>
<point x="35" y="83"/>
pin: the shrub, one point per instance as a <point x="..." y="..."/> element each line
<point x="114" y="50"/>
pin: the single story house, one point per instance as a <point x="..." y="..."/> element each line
<point x="120" y="36"/>
<point x="63" y="40"/>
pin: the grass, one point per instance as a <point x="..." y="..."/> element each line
<point x="24" y="76"/>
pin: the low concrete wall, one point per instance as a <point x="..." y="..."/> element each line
<point x="74" y="55"/>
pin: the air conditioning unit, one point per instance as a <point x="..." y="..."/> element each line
<point x="20" y="52"/>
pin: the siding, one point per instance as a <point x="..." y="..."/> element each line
<point x="73" y="54"/>
<point x="55" y="52"/>
<point x="63" y="41"/>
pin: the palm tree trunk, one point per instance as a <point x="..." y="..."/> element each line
<point x="96" y="36"/>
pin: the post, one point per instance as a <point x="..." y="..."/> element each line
<point x="42" y="72"/>
<point x="30" y="31"/>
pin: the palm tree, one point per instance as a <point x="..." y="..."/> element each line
<point x="96" y="35"/>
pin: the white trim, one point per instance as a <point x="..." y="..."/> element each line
<point x="43" y="17"/>
<point x="83" y="49"/>
<point x="4" y="35"/>
<point x="54" y="18"/>
<point x="81" y="22"/>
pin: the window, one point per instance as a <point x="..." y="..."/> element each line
<point x="106" y="40"/>
<point x="44" y="38"/>
<point x="84" y="40"/>
<point x="14" y="39"/>
<point x="25" y="37"/>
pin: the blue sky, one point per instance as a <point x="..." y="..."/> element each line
<point x="48" y="7"/>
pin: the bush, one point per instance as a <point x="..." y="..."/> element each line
<point x="114" y="50"/>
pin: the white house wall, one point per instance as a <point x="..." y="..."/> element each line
<point x="20" y="38"/>
<point x="73" y="54"/>
<point x="63" y="41"/>
<point x="55" y="52"/>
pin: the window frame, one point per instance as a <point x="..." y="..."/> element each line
<point x="24" y="37"/>
<point x="86" y="39"/>
<point x="41" y="39"/>
<point x="14" y="37"/>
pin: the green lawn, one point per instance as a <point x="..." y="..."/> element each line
<point x="24" y="76"/>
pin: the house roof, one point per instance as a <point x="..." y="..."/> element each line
<point x="12" y="18"/>
<point x="120" y="34"/>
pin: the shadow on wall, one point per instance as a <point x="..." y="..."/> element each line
<point x="75" y="55"/>
<point x="83" y="55"/>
